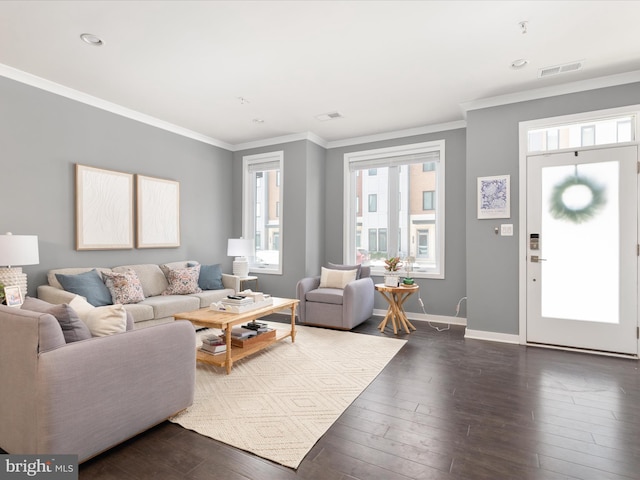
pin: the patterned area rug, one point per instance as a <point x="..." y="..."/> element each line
<point x="279" y="402"/>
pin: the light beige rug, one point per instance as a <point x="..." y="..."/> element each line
<point x="279" y="402"/>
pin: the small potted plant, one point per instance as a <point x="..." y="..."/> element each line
<point x="408" y="268"/>
<point x="392" y="265"/>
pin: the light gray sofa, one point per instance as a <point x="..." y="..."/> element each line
<point x="337" y="308"/>
<point x="85" y="397"/>
<point x="155" y="308"/>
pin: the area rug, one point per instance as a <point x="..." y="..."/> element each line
<point x="279" y="402"/>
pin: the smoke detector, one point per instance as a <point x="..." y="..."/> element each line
<point x="329" y="116"/>
<point x="558" y="69"/>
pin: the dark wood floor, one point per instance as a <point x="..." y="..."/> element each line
<point x="444" y="408"/>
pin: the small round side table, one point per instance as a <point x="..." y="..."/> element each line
<point x="396" y="296"/>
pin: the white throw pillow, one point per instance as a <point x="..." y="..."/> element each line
<point x="101" y="321"/>
<point x="336" y="278"/>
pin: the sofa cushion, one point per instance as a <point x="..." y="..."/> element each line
<point x="151" y="277"/>
<point x="88" y="285"/>
<point x="73" y="328"/>
<point x="53" y="280"/>
<point x="125" y="287"/>
<point x="207" y="297"/>
<point x="330" y="278"/>
<point x="335" y="266"/>
<point x="106" y="320"/>
<point x="82" y="308"/>
<point x="325" y="295"/>
<point x="210" y="276"/>
<point x="139" y="312"/>
<point x="168" y="305"/>
<point x="183" y="281"/>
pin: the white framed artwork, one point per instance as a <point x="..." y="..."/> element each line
<point x="104" y="209"/>
<point x="494" y="197"/>
<point x="158" y="203"/>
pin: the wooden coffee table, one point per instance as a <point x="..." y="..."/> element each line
<point x="205" y="317"/>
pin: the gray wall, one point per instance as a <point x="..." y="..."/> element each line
<point x="492" y="149"/>
<point x="43" y="136"/>
<point x="440" y="297"/>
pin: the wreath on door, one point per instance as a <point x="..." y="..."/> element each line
<point x="577" y="199"/>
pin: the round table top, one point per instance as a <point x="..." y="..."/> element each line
<point x="402" y="287"/>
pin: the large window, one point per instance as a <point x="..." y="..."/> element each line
<point x="408" y="220"/>
<point x="261" y="215"/>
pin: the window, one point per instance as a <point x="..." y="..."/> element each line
<point x="588" y="133"/>
<point x="261" y="215"/>
<point x="408" y="218"/>
<point x="373" y="172"/>
<point x="373" y="202"/>
<point x="428" y="200"/>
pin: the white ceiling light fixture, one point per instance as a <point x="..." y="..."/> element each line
<point x="91" y="39"/>
<point x="520" y="63"/>
<point x="329" y="116"/>
<point x="258" y="120"/>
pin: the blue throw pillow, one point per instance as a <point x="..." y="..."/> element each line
<point x="89" y="285"/>
<point x="210" y="277"/>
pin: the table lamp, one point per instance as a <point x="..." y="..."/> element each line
<point x="240" y="248"/>
<point x="17" y="250"/>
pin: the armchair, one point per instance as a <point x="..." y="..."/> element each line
<point x="85" y="397"/>
<point x="341" y="308"/>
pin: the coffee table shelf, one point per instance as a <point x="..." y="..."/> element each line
<point x="205" y="317"/>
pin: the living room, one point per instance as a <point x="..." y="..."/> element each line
<point x="47" y="128"/>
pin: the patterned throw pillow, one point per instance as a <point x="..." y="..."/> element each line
<point x="183" y="281"/>
<point x="124" y="287"/>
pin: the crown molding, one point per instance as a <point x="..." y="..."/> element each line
<point x="544" y="92"/>
<point x="58" y="89"/>
<point x="294" y="137"/>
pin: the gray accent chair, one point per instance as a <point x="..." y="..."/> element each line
<point x="333" y="307"/>
<point x="85" y="397"/>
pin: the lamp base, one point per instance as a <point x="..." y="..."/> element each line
<point x="241" y="267"/>
<point x="13" y="276"/>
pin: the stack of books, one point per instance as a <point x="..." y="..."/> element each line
<point x="213" y="344"/>
<point x="237" y="301"/>
<point x="242" y="333"/>
<point x="257" y="327"/>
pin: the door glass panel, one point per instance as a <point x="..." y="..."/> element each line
<point x="579" y="242"/>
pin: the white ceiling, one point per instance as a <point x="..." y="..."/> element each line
<point x="385" y="66"/>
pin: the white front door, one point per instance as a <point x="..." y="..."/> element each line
<point x="582" y="258"/>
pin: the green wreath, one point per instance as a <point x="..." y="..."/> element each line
<point x="559" y="210"/>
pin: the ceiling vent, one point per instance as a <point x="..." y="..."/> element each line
<point x="558" y="69"/>
<point x="329" y="116"/>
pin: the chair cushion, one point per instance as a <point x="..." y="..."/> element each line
<point x="330" y="278"/>
<point x="88" y="285"/>
<point x="73" y="328"/>
<point x="325" y="295"/>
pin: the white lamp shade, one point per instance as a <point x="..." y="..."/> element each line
<point x="19" y="250"/>
<point x="240" y="247"/>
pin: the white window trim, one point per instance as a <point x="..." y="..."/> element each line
<point x="248" y="213"/>
<point x="349" y="188"/>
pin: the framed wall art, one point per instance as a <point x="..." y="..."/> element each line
<point x="104" y="209"/>
<point x="158" y="202"/>
<point x="494" y="197"/>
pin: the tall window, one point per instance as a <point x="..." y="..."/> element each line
<point x="408" y="220"/>
<point x="261" y="215"/>
<point x="373" y="202"/>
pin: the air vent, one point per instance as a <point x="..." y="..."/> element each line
<point x="329" y="116"/>
<point x="558" y="69"/>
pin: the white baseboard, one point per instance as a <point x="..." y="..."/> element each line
<point x="492" y="336"/>
<point x="421" y="317"/>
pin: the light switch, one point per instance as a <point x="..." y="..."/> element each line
<point x="506" y="229"/>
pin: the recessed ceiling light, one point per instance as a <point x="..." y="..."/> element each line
<point x="91" y="39"/>
<point x="520" y="63"/>
<point x="329" y="116"/>
<point x="258" y="120"/>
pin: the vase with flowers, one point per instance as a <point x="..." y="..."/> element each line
<point x="392" y="265"/>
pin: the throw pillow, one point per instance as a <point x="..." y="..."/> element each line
<point x="335" y="266"/>
<point x="88" y="285"/>
<point x="210" y="276"/>
<point x="73" y="328"/>
<point x="336" y="278"/>
<point x="124" y="287"/>
<point x="106" y="320"/>
<point x="183" y="281"/>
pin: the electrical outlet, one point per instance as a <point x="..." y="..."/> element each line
<point x="506" y="229"/>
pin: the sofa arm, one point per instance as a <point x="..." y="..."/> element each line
<point x="96" y="393"/>
<point x="357" y="302"/>
<point x="54" y="295"/>
<point x="229" y="281"/>
<point x="305" y="285"/>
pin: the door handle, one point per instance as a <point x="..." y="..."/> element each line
<point x="536" y="259"/>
